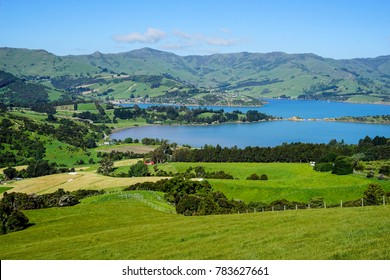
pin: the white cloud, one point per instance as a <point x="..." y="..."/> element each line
<point x="151" y="36"/>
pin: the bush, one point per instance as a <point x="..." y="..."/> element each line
<point x="373" y="195"/>
<point x="10" y="173"/>
<point x="385" y="170"/>
<point x="264" y="177"/>
<point x="11" y="219"/>
<point x="323" y="166"/>
<point x="343" y="165"/>
<point x="139" y="170"/>
<point x="253" y="177"/>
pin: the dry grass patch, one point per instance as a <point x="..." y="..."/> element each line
<point x="137" y="149"/>
<point x="68" y="182"/>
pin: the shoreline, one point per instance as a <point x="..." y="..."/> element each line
<point x="291" y="119"/>
<point x="263" y="99"/>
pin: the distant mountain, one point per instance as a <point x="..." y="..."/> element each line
<point x="276" y="74"/>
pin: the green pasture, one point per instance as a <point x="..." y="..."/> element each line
<point x="138" y="225"/>
<point x="291" y="181"/>
<point x="68" y="155"/>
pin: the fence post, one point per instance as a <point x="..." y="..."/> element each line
<point x="262" y="209"/>
<point x="324" y="204"/>
<point x="284" y="206"/>
<point x="296" y="206"/>
<point x="341" y="204"/>
<point x="362" y="202"/>
<point x="272" y="208"/>
<point x="308" y="206"/>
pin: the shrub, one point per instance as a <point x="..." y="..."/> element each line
<point x="264" y="177"/>
<point x="138" y="170"/>
<point x="323" y="166"/>
<point x="385" y="170"/>
<point x="253" y="177"/>
<point x="373" y="195"/>
<point x="11" y="219"/>
<point x="343" y="165"/>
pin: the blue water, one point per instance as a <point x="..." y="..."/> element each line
<point x="276" y="132"/>
<point x="306" y="108"/>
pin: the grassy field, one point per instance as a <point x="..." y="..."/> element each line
<point x="127" y="226"/>
<point x="291" y="181"/>
<point x="71" y="182"/>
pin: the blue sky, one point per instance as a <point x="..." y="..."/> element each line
<point x="333" y="28"/>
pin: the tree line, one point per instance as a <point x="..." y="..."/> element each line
<point x="367" y="149"/>
<point x="184" y="114"/>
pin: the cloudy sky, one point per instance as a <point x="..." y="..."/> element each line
<point x="332" y="28"/>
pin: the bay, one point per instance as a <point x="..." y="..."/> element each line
<point x="275" y="132"/>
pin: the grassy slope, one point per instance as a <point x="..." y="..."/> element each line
<point x="114" y="227"/>
<point x="292" y="181"/>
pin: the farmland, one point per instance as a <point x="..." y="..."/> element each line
<point x="112" y="226"/>
<point x="291" y="181"/>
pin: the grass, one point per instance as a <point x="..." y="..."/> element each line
<point x="115" y="226"/>
<point x="137" y="148"/>
<point x="4" y="189"/>
<point x="291" y="181"/>
<point x="62" y="153"/>
<point x="69" y="182"/>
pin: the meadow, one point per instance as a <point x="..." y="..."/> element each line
<point x="123" y="226"/>
<point x="291" y="181"/>
<point x="142" y="225"/>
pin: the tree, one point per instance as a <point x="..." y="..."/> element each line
<point x="106" y="166"/>
<point x="343" y="165"/>
<point x="11" y="219"/>
<point x="138" y="170"/>
<point x="41" y="168"/>
<point x="373" y="195"/>
<point x="385" y="170"/>
<point x="10" y="173"/>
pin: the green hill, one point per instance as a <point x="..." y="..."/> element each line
<point x="138" y="225"/>
<point x="24" y="62"/>
<point x="276" y="74"/>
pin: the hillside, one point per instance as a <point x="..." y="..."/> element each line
<point x="143" y="229"/>
<point x="276" y="74"/>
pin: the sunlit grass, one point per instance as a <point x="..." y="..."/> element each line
<point x="113" y="226"/>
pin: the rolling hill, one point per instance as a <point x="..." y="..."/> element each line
<point x="276" y="74"/>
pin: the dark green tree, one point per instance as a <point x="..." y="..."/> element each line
<point x="106" y="166"/>
<point x="138" y="170"/>
<point x="373" y="195"/>
<point x="10" y="173"/>
<point x="343" y="165"/>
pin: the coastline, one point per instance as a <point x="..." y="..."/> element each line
<point x="291" y="119"/>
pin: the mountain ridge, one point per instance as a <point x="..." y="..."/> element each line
<point x="273" y="74"/>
